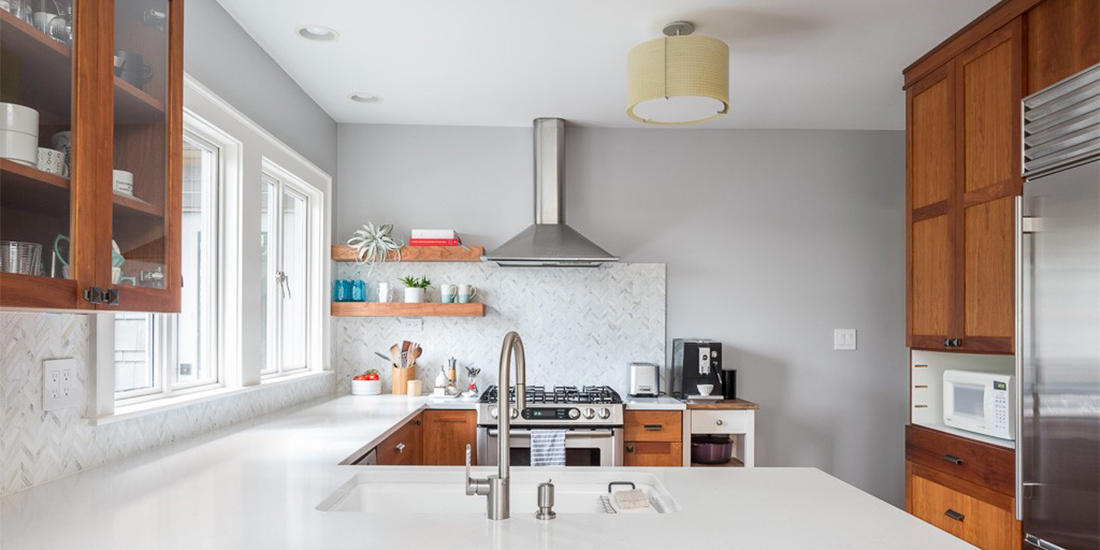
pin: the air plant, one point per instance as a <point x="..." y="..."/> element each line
<point x="413" y="282"/>
<point x="373" y="244"/>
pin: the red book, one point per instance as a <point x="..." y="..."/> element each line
<point x="434" y="242"/>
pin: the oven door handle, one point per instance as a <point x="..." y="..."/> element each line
<point x="523" y="432"/>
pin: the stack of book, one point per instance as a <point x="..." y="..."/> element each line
<point x="434" y="237"/>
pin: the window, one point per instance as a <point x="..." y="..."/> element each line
<point x="285" y="258"/>
<point x="230" y="333"/>
<point x="159" y="355"/>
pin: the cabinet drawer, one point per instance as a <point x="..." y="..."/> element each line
<point x="653" y="426"/>
<point x="982" y="463"/>
<point x="402" y="448"/>
<point x="721" y="422"/>
<point x="978" y="522"/>
<point x="653" y="453"/>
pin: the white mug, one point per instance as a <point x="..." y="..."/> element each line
<point x="124" y="182"/>
<point x="447" y="293"/>
<point x="466" y="293"/>
<point x="385" y="293"/>
<point x="52" y="161"/>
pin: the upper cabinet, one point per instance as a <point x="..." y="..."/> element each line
<point x="1063" y="38"/>
<point x="90" y="179"/>
<point x="964" y="170"/>
<point x="963" y="139"/>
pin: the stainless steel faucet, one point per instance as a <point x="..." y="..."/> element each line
<point x="496" y="487"/>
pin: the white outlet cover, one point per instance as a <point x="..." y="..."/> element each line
<point x="60" y="387"/>
<point x="412" y="323"/>
<point x="844" y="339"/>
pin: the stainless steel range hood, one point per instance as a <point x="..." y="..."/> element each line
<point x="549" y="242"/>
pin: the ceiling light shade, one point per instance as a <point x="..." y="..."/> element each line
<point x="678" y="79"/>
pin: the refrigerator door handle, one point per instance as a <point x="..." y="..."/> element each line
<point x="1019" y="357"/>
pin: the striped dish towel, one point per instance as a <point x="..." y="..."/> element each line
<point x="548" y="447"/>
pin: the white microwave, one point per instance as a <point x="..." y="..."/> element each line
<point x="980" y="402"/>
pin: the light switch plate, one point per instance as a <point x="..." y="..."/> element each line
<point x="60" y="388"/>
<point x="844" y="339"/>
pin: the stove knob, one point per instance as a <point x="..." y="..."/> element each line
<point x="605" y="413"/>
<point x="515" y="412"/>
<point x="493" y="412"/>
<point x="589" y="413"/>
<point x="574" y="414"/>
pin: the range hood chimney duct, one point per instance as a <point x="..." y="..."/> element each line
<point x="549" y="242"/>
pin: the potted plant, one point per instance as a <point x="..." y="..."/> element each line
<point x="415" y="289"/>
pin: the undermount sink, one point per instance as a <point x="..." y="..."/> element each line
<point x="442" y="491"/>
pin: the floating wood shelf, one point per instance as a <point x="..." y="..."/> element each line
<point x="33" y="190"/>
<point x="373" y="309"/>
<point x="49" y="86"/>
<point x="344" y="253"/>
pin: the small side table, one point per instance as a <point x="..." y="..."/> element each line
<point x="735" y="418"/>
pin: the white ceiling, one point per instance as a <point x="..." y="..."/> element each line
<point x="793" y="63"/>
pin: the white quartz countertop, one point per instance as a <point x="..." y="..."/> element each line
<point x="258" y="487"/>
<point x="662" y="403"/>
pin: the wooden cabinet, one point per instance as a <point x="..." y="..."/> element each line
<point x="1063" y="38"/>
<point x="404" y="447"/>
<point x="970" y="512"/>
<point x="653" y="438"/>
<point x="446" y="434"/>
<point x="963" y="171"/>
<point x="109" y="96"/>
<point x="988" y="465"/>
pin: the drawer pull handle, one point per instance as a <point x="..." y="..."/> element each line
<point x="954" y="515"/>
<point x="654" y="427"/>
<point x="719" y="422"/>
<point x="953" y="459"/>
<point x="400" y="447"/>
<point x="629" y="448"/>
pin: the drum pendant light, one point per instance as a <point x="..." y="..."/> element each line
<point x="678" y="79"/>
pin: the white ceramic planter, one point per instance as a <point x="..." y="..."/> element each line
<point x="414" y="295"/>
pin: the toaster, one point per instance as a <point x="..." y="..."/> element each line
<point x="645" y="380"/>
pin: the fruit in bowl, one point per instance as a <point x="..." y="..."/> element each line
<point x="367" y="383"/>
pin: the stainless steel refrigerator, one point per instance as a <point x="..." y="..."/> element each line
<point x="1058" y="321"/>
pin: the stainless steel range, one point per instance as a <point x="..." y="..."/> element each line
<point x="591" y="415"/>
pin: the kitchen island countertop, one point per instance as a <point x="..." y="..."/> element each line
<point x="258" y="486"/>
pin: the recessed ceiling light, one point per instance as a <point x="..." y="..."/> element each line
<point x="317" y="33"/>
<point x="364" y="98"/>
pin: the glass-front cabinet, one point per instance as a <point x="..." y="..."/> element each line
<point x="90" y="154"/>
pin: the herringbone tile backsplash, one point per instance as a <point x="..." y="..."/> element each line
<point x="579" y="326"/>
<point x="38" y="446"/>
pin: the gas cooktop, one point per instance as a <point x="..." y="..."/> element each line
<point x="561" y="406"/>
<point x="558" y="395"/>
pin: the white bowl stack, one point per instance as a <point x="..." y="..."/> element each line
<point x="19" y="134"/>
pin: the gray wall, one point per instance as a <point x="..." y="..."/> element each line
<point x="772" y="240"/>
<point x="224" y="58"/>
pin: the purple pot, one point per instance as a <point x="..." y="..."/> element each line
<point x="711" y="449"/>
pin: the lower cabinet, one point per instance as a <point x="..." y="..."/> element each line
<point x="962" y="486"/>
<point x="981" y="517"/>
<point x="446" y="434"/>
<point x="653" y="453"/>
<point x="653" y="438"/>
<point x="405" y="446"/>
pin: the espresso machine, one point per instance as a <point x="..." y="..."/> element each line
<point x="696" y="362"/>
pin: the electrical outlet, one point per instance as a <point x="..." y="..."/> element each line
<point x="60" y="389"/>
<point x="412" y="323"/>
<point x="844" y="339"/>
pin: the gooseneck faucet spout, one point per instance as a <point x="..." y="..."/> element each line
<point x="497" y="487"/>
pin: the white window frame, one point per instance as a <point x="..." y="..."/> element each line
<point x="250" y="146"/>
<point x="287" y="181"/>
<point x="163" y="328"/>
